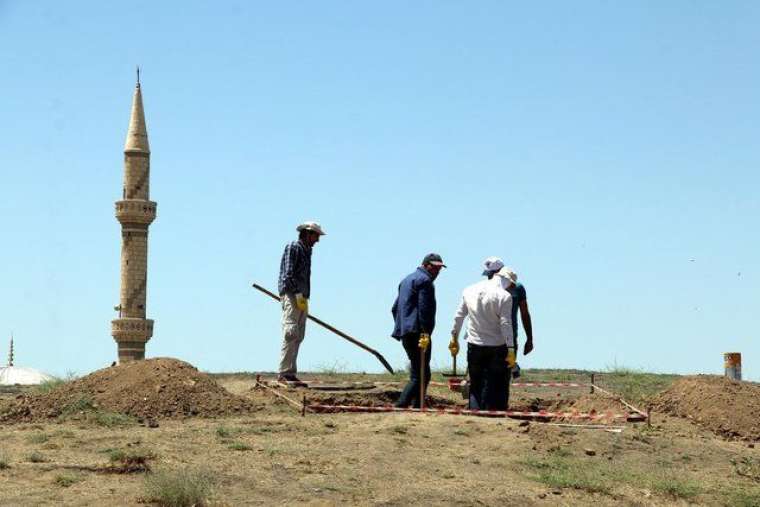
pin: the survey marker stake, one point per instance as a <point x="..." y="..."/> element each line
<point x="340" y="333"/>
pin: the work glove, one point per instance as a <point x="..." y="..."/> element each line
<point x="424" y="342"/>
<point x="302" y="303"/>
<point x="454" y="346"/>
<point x="511" y="357"/>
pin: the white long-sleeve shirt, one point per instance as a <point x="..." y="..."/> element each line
<point x="489" y="308"/>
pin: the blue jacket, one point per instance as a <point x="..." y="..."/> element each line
<point x="414" y="309"/>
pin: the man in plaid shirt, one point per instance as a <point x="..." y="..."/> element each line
<point x="295" y="286"/>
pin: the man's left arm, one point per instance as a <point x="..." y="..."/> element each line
<point x="527" y="326"/>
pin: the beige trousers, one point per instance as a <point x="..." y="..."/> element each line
<point x="293" y="331"/>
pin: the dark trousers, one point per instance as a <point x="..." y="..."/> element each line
<point x="489" y="377"/>
<point x="411" y="393"/>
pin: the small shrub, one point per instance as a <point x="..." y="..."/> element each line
<point x="118" y="455"/>
<point x="37" y="438"/>
<point x="81" y="404"/>
<point x="49" y="385"/>
<point x="66" y="480"/>
<point x="111" y="419"/>
<point x="223" y="432"/>
<point x="747" y="467"/>
<point x="4" y="463"/>
<point x="335" y="368"/>
<point x="559" y="472"/>
<point x="742" y="498"/>
<point x="179" y="488"/>
<point x="36" y="457"/>
<point x="115" y="455"/>
<point x="676" y="488"/>
<point x="65" y="433"/>
<point x="239" y="446"/>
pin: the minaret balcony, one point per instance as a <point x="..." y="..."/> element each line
<point x="132" y="330"/>
<point x="135" y="211"/>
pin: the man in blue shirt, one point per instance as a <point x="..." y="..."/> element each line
<point x="414" y="320"/>
<point x="520" y="300"/>
<point x="294" y="285"/>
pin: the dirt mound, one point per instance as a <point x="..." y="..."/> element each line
<point x="726" y="407"/>
<point x="154" y="388"/>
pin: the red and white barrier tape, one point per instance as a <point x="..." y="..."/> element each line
<point x="541" y="414"/>
<point x="548" y="384"/>
<point x="439" y="384"/>
<point x="513" y="384"/>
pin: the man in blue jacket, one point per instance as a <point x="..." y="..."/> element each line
<point x="414" y="316"/>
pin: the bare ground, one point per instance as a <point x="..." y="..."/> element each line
<point x="272" y="455"/>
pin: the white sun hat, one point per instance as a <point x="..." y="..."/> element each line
<point x="507" y="274"/>
<point x="491" y="265"/>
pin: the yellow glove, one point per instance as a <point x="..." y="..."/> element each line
<point x="511" y="357"/>
<point x="454" y="346"/>
<point x="424" y="342"/>
<point x="302" y="303"/>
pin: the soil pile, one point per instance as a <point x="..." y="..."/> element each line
<point x="726" y="407"/>
<point x="153" y="388"/>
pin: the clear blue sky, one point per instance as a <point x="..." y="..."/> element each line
<point x="607" y="151"/>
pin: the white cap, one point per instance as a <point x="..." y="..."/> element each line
<point x="507" y="274"/>
<point x="311" y="226"/>
<point x="491" y="265"/>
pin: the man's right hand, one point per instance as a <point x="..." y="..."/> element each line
<point x="528" y="347"/>
<point x="511" y="358"/>
<point x="454" y="346"/>
<point x="302" y="303"/>
<point x="424" y="341"/>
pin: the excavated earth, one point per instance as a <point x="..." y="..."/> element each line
<point x="150" y="389"/>
<point x="726" y="407"/>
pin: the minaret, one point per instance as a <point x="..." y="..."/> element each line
<point x="135" y="213"/>
<point x="10" y="354"/>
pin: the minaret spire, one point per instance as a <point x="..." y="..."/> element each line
<point x="137" y="133"/>
<point x="135" y="212"/>
<point x="10" y="354"/>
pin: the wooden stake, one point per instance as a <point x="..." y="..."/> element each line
<point x="592" y="383"/>
<point x="422" y="379"/>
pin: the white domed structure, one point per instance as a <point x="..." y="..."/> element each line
<point x="18" y="376"/>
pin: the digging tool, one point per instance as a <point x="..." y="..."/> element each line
<point x="422" y="378"/>
<point x="453" y="369"/>
<point x="454" y="362"/>
<point x="334" y="330"/>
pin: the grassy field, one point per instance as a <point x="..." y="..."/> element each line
<point x="275" y="456"/>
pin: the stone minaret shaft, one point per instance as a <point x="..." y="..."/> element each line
<point x="135" y="212"/>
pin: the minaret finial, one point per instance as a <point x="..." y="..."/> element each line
<point x="10" y="354"/>
<point x="138" y="76"/>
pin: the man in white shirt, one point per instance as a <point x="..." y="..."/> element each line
<point x="490" y="339"/>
